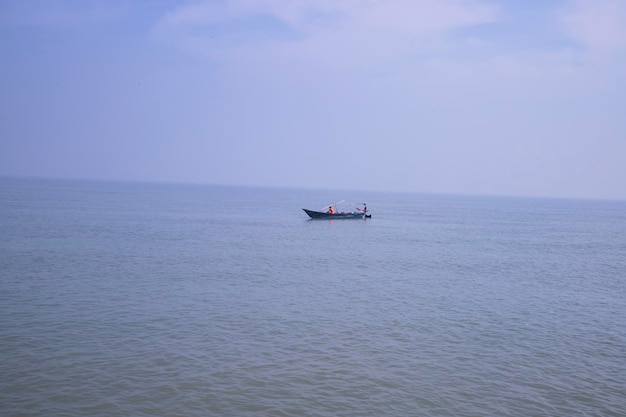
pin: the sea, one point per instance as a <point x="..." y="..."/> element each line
<point x="141" y="299"/>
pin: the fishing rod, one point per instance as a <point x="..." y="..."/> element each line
<point x="331" y="204"/>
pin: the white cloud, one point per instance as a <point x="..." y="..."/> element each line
<point x="404" y="77"/>
<point x="408" y="16"/>
<point x="599" y="25"/>
<point x="328" y="31"/>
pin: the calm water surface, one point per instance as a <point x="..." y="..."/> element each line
<point x="159" y="300"/>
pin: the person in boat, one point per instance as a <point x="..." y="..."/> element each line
<point x="363" y="210"/>
<point x="331" y="210"/>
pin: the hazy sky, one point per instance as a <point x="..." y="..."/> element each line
<point x="509" y="97"/>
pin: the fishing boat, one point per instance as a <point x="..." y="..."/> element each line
<point x="330" y="212"/>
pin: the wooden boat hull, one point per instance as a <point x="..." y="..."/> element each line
<point x="321" y="215"/>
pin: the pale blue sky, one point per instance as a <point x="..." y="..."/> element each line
<point x="501" y="97"/>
